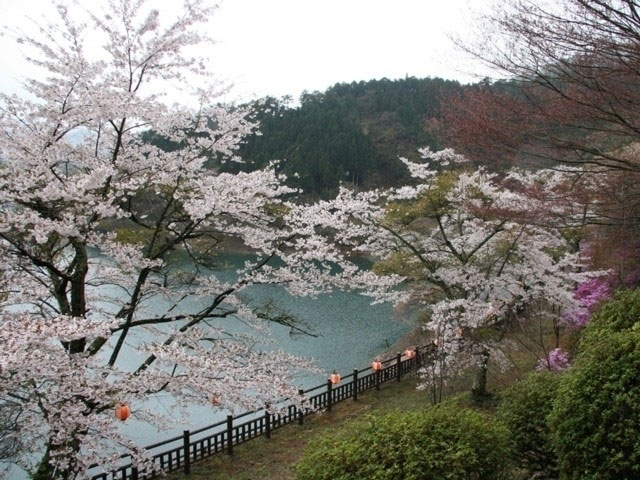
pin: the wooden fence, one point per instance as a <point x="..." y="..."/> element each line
<point x="178" y="453"/>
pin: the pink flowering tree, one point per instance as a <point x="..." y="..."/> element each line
<point x="96" y="227"/>
<point x="589" y="295"/>
<point x="468" y="246"/>
<point x="557" y="360"/>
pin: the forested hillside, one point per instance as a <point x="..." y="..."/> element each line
<point x="351" y="133"/>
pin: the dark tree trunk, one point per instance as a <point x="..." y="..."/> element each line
<point x="479" y="388"/>
<point x="47" y="471"/>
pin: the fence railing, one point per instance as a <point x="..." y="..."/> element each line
<point x="178" y="453"/>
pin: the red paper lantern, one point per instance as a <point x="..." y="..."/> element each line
<point x="122" y="411"/>
<point x="215" y="401"/>
<point x="334" y="378"/>
<point x="409" y="353"/>
<point x="376" y="365"/>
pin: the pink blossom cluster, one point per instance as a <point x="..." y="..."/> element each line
<point x="557" y="360"/>
<point x="589" y="295"/>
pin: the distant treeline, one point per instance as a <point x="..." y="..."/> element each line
<point x="351" y="133"/>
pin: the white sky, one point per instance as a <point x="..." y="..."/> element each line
<point x="279" y="47"/>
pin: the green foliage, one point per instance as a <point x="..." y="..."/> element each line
<point x="319" y="144"/>
<point x="430" y="204"/>
<point x="596" y="414"/>
<point x="621" y="313"/>
<point x="441" y="442"/>
<point x="278" y="211"/>
<point x="524" y="408"/>
<point x="400" y="263"/>
<point x="132" y="236"/>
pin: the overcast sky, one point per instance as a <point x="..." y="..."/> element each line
<point x="280" y="47"/>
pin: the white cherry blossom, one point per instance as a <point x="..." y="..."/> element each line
<point x="96" y="226"/>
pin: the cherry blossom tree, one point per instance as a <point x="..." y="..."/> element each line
<point x="104" y="237"/>
<point x="468" y="247"/>
<point x="569" y="97"/>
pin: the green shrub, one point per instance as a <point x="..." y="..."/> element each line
<point x="620" y="313"/>
<point x="596" y="415"/>
<point x="523" y="409"/>
<point x="441" y="442"/>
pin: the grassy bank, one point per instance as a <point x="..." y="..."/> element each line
<point x="274" y="459"/>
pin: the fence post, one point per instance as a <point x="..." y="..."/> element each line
<point x="418" y="357"/>
<point x="378" y="375"/>
<point x="398" y="365"/>
<point x="301" y="412"/>
<point x="267" y="422"/>
<point x="230" y="434"/>
<point x="187" y="454"/>
<point x="134" y="473"/>
<point x="355" y="384"/>
<point x="329" y="394"/>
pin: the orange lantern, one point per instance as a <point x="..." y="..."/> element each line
<point x="334" y="378"/>
<point x="409" y="353"/>
<point x="376" y="365"/>
<point x="122" y="411"/>
<point x="215" y="401"/>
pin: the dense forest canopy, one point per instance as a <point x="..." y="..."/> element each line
<point x="351" y="133"/>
